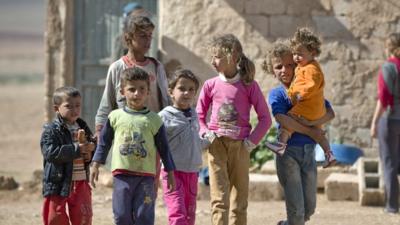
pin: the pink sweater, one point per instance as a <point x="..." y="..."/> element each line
<point x="230" y="109"/>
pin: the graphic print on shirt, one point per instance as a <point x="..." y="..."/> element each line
<point x="133" y="144"/>
<point x="227" y="118"/>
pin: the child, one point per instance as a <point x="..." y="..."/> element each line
<point x="386" y="121"/>
<point x="66" y="162"/>
<point x="296" y="169"/>
<point x="138" y="31"/>
<point x="182" y="126"/>
<point x="136" y="134"/>
<point x="306" y="92"/>
<point x="231" y="95"/>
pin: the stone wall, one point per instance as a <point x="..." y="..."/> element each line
<point x="352" y="33"/>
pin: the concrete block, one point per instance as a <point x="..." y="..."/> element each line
<point x="341" y="186"/>
<point x="371" y="187"/>
<point x="324" y="173"/>
<point x="264" y="187"/>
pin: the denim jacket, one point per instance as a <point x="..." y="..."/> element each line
<point x="59" y="151"/>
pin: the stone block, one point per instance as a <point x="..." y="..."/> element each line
<point x="371" y="187"/>
<point x="264" y="187"/>
<point x="333" y="26"/>
<point x="341" y="186"/>
<point x="323" y="174"/>
<point x="268" y="7"/>
<point x="282" y="26"/>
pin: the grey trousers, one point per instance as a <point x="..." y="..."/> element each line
<point x="297" y="173"/>
<point x="389" y="152"/>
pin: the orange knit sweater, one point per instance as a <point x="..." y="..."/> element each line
<point x="307" y="92"/>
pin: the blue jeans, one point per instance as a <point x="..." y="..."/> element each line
<point x="297" y="173"/>
<point x="133" y="200"/>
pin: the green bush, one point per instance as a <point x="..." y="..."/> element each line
<point x="261" y="153"/>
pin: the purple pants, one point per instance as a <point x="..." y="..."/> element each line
<point x="133" y="200"/>
<point x="181" y="203"/>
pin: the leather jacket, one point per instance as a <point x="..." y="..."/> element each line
<point x="59" y="151"/>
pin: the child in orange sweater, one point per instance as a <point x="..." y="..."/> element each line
<point x="306" y="91"/>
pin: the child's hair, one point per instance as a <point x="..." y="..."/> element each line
<point x="279" y="49"/>
<point x="62" y="93"/>
<point x="183" y="73"/>
<point x="135" y="23"/>
<point x="132" y="74"/>
<point x="305" y="37"/>
<point x="393" y="44"/>
<point x="228" y="45"/>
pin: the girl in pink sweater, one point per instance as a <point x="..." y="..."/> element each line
<point x="230" y="96"/>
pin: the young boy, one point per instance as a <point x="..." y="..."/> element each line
<point x="306" y="92"/>
<point x="136" y="135"/>
<point x="66" y="162"/>
<point x="296" y="169"/>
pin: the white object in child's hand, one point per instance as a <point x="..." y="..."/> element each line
<point x="248" y="145"/>
<point x="210" y="136"/>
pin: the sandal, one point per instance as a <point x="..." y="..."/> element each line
<point x="277" y="147"/>
<point x="330" y="160"/>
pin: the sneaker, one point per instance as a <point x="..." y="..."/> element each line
<point x="390" y="211"/>
<point x="277" y="147"/>
<point x="329" y="160"/>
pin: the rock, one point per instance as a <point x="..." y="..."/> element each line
<point x="8" y="183"/>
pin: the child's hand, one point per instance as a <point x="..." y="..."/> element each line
<point x="88" y="147"/>
<point x="316" y="133"/>
<point x="210" y="136"/>
<point x="373" y="130"/>
<point x="248" y="145"/>
<point x="94" y="174"/>
<point x="171" y="181"/>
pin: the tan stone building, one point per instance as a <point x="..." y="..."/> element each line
<point x="352" y="31"/>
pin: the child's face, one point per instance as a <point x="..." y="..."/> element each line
<point x="141" y="41"/>
<point x="136" y="93"/>
<point x="183" y="93"/>
<point x="302" y="56"/>
<point x="284" y="69"/>
<point x="70" y="109"/>
<point x="222" y="63"/>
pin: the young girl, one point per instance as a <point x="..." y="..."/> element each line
<point x="182" y="127"/>
<point x="138" y="32"/>
<point x="231" y="94"/>
<point x="306" y="92"/>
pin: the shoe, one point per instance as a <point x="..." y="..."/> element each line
<point x="330" y="160"/>
<point x="390" y="211"/>
<point x="276" y="147"/>
<point x="282" y="222"/>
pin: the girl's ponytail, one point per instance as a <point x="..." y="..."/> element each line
<point x="246" y="69"/>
